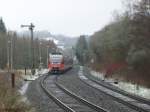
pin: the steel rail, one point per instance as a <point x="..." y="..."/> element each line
<point x="91" y="105"/>
<point x="129" y="104"/>
<point x="140" y="99"/>
<point x="56" y="100"/>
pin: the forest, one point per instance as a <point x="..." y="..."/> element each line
<point x="15" y="50"/>
<point x="123" y="46"/>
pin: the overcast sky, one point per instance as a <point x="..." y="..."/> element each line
<point x="68" y="17"/>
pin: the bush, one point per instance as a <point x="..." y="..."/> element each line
<point x="138" y="59"/>
<point x="10" y="99"/>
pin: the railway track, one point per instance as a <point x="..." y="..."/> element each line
<point x="109" y="86"/>
<point x="67" y="100"/>
<point x="131" y="101"/>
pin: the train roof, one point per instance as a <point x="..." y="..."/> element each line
<point x="56" y="53"/>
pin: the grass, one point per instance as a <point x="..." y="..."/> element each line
<point x="133" y="76"/>
<point x="127" y="75"/>
<point x="10" y="99"/>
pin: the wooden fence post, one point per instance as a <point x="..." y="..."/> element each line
<point x="13" y="80"/>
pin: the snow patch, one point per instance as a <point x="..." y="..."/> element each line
<point x="129" y="87"/>
<point x="24" y="88"/>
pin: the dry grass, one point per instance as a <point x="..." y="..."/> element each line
<point x="127" y="75"/>
<point x="134" y="77"/>
<point x="10" y="99"/>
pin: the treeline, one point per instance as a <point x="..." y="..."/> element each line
<point x="124" y="43"/>
<point x="18" y="49"/>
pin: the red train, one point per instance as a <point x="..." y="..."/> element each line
<point x="58" y="63"/>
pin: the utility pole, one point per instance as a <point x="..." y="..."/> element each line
<point x="47" y="54"/>
<point x="40" y="54"/>
<point x="149" y="6"/>
<point x="8" y="55"/>
<point x="31" y="27"/>
<point x="10" y="50"/>
<point x="11" y="53"/>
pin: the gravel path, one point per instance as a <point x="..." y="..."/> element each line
<point x="39" y="100"/>
<point x="71" y="81"/>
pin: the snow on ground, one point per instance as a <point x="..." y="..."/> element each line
<point x="129" y="87"/>
<point x="97" y="75"/>
<point x="30" y="77"/>
<point x="24" y="88"/>
<point x="1" y="70"/>
<point x="43" y="71"/>
<point x="36" y="75"/>
<point x="101" y="76"/>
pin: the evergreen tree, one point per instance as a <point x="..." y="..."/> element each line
<point x="82" y="50"/>
<point x="2" y="26"/>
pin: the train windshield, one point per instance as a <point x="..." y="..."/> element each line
<point x="57" y="58"/>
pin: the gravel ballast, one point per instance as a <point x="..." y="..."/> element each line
<point x="71" y="81"/>
<point x="39" y="100"/>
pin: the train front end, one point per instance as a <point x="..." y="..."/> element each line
<point x="56" y="63"/>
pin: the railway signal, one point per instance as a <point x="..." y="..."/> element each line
<point x="31" y="27"/>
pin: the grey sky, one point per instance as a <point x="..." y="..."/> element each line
<point x="69" y="17"/>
